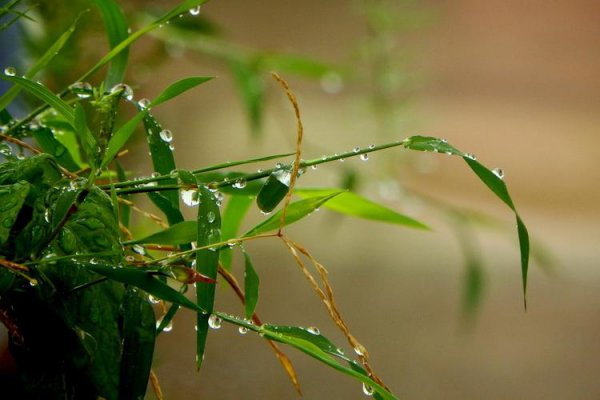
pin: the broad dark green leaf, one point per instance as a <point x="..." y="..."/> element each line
<point x="116" y="27"/>
<point x="144" y="280"/>
<point x="139" y="334"/>
<point x="234" y="213"/>
<point x="180" y="233"/>
<point x="40" y="64"/>
<point x="296" y="211"/>
<point x="120" y="137"/>
<point x="251" y="284"/>
<point x="179" y="87"/>
<point x="491" y="180"/>
<point x="274" y="190"/>
<point x="207" y="263"/>
<point x="63" y="205"/>
<point x="12" y="198"/>
<point x="50" y="145"/>
<point x="349" y="203"/>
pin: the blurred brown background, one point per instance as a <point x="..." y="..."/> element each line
<point x="516" y="83"/>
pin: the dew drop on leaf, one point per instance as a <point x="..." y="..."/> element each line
<point x="143" y="103"/>
<point x="214" y="321"/>
<point x="83" y="90"/>
<point x="498" y="172"/>
<point x="126" y="90"/>
<point x="190" y="197"/>
<point x="368" y="390"/>
<point x="195" y="11"/>
<point x="470" y="156"/>
<point x="210" y="217"/>
<point x="364" y="156"/>
<point x="166" y="135"/>
<point x="10" y="71"/>
<point x="313" y="330"/>
<point x="242" y="330"/>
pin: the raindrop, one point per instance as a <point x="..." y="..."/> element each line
<point x="130" y="258"/>
<point x="126" y="90"/>
<point x="313" y="330"/>
<point x="139" y="249"/>
<point x="279" y="165"/>
<point x="498" y="172"/>
<point x="81" y="89"/>
<point x="33" y="282"/>
<point x="47" y="215"/>
<point x="340" y="351"/>
<point x="10" y="71"/>
<point x="342" y="160"/>
<point x="313" y="167"/>
<point x="371" y="146"/>
<point x="364" y="156"/>
<point x="195" y="11"/>
<point x="260" y="170"/>
<point x="368" y="390"/>
<point x="356" y="149"/>
<point x="171" y="147"/>
<point x="284" y="176"/>
<point x="242" y="330"/>
<point x="210" y="217"/>
<point x="471" y="156"/>
<point x="143" y="103"/>
<point x="360" y="350"/>
<point x="214" y="321"/>
<point x="190" y="197"/>
<point x="153" y="299"/>
<point x="166" y="135"/>
<point x="239" y="184"/>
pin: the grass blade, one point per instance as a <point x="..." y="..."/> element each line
<point x="207" y="262"/>
<point x="251" y="284"/>
<point x="180" y="233"/>
<point x="121" y="137"/>
<point x="351" y="204"/>
<point x="179" y="87"/>
<point x="234" y="213"/>
<point x="88" y="141"/>
<point x="116" y="28"/>
<point x="50" y="145"/>
<point x="296" y="211"/>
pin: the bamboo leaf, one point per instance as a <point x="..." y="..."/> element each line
<point x="116" y="28"/>
<point x="163" y="163"/>
<point x="179" y="87"/>
<point x="251" y="284"/>
<point x="349" y="203"/>
<point x="207" y="262"/>
<point x="50" y="145"/>
<point x="85" y="136"/>
<point x="121" y="137"/>
<point x="234" y="213"/>
<point x="296" y="211"/>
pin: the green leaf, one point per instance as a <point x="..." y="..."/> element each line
<point x="12" y="198"/>
<point x="125" y="210"/>
<point x="50" y="145"/>
<point x="177" y="88"/>
<point x="251" y="284"/>
<point x="251" y="87"/>
<point x="180" y="233"/>
<point x="144" y="280"/>
<point x="163" y="162"/>
<point x="296" y="211"/>
<point x="40" y="64"/>
<point x="116" y="28"/>
<point x="171" y="211"/>
<point x="234" y="213"/>
<point x="121" y="137"/>
<point x="491" y="180"/>
<point x="292" y="64"/>
<point x="349" y="203"/>
<point x="274" y="190"/>
<point x="207" y="262"/>
<point x="86" y="138"/>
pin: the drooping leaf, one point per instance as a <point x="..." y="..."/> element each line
<point x="296" y="211"/>
<point x="139" y="334"/>
<point x="50" y="145"/>
<point x="234" y="213"/>
<point x="179" y="87"/>
<point x="207" y="262"/>
<point x="116" y="28"/>
<point x="145" y="280"/>
<point x="349" y="203"/>
<point x="180" y="233"/>
<point x="251" y="284"/>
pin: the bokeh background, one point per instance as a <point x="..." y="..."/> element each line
<point x="514" y="82"/>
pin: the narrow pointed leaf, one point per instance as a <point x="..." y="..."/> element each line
<point x="178" y="88"/>
<point x="125" y="210"/>
<point x="234" y="213"/>
<point x="295" y="212"/>
<point x="180" y="233"/>
<point x="121" y="137"/>
<point x="85" y="136"/>
<point x="349" y="203"/>
<point x="50" y="145"/>
<point x="163" y="162"/>
<point x="116" y="28"/>
<point x="207" y="262"/>
<point x="251" y="284"/>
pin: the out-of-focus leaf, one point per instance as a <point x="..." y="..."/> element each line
<point x="125" y="210"/>
<point x="296" y="211"/>
<point x="139" y="334"/>
<point x="274" y="190"/>
<point x="251" y="87"/>
<point x="12" y="198"/>
<point x="292" y="64"/>
<point x="116" y="28"/>
<point x="180" y="233"/>
<point x="207" y="262"/>
<point x="177" y="88"/>
<point x="349" y="203"/>
<point x="251" y="284"/>
<point x="144" y="280"/>
<point x="234" y="213"/>
<point x="120" y="137"/>
<point x="50" y="145"/>
<point x="491" y="180"/>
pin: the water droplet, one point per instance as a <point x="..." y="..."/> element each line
<point x="360" y="350"/>
<point x="33" y="282"/>
<point x="93" y="261"/>
<point x="139" y="249"/>
<point x="143" y="103"/>
<point x="153" y="299"/>
<point x="471" y="156"/>
<point x="340" y="351"/>
<point x="368" y="390"/>
<point x="260" y="170"/>
<point x="190" y="197"/>
<point x="210" y="217"/>
<point x="313" y="167"/>
<point x="371" y="146"/>
<point x="47" y="215"/>
<point x="166" y="135"/>
<point x="171" y="147"/>
<point x="356" y="149"/>
<point x="242" y="330"/>
<point x="129" y="258"/>
<point x="313" y="330"/>
<point x="10" y="71"/>
<point x="364" y="156"/>
<point x="279" y="165"/>
<point x="214" y="321"/>
<point x="239" y="184"/>
<point x="125" y="90"/>
<point x="83" y="90"/>
<point x="195" y="11"/>
<point x="498" y="172"/>
<point x="332" y="83"/>
<point x="284" y="176"/>
<point x="342" y="160"/>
